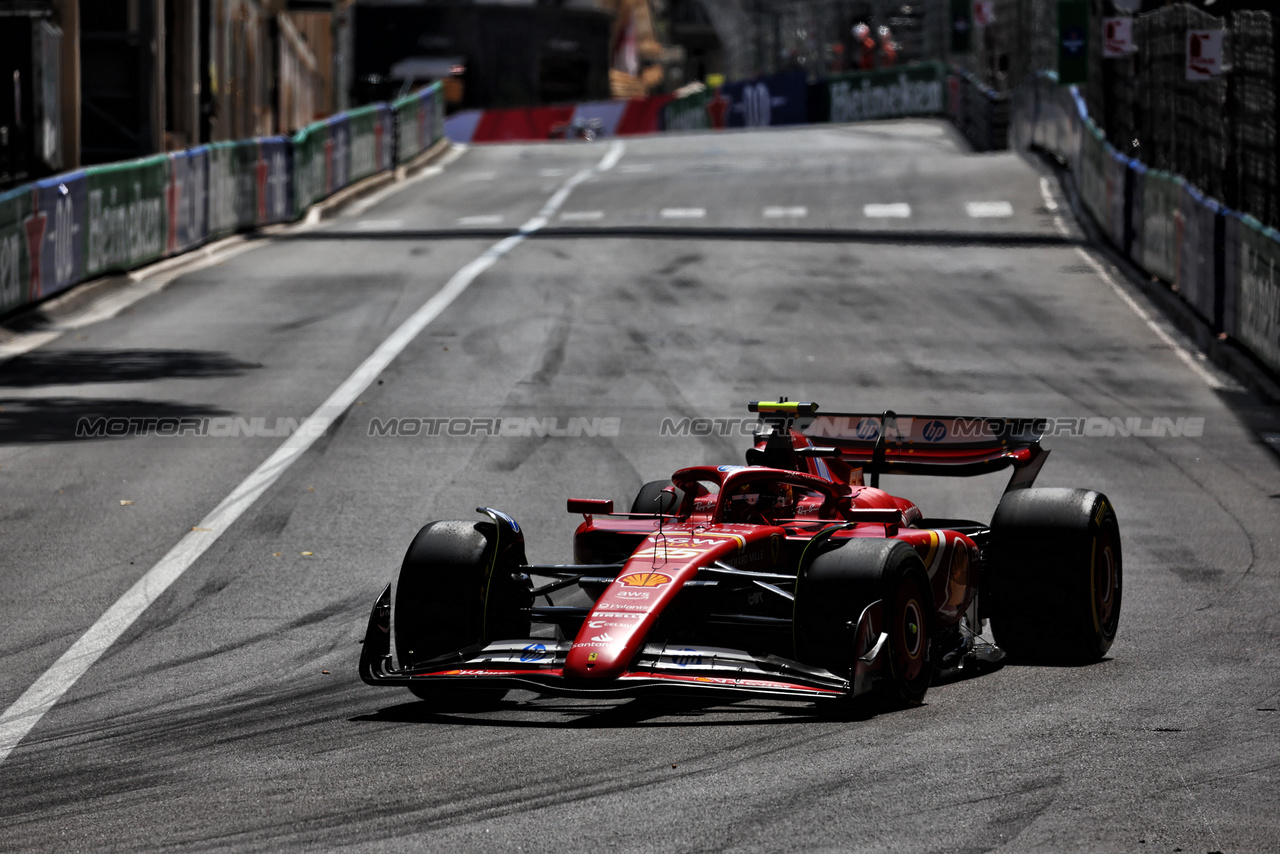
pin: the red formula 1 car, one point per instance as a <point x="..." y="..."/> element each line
<point x="787" y="577"/>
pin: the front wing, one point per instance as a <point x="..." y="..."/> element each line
<point x="538" y="665"/>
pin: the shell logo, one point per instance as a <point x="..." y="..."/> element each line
<point x="645" y="579"/>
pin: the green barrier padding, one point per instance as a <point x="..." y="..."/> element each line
<point x="127" y="220"/>
<point x="916" y="89"/>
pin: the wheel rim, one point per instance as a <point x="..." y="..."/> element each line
<point x="1106" y="584"/>
<point x="911" y="638"/>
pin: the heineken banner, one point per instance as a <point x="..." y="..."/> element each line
<point x="779" y="99"/>
<point x="188" y="200"/>
<point x="15" y="270"/>
<point x="1161" y="197"/>
<point x="127" y="220"/>
<point x="1257" y="306"/>
<point x="688" y="113"/>
<point x="56" y="233"/>
<point x="911" y="90"/>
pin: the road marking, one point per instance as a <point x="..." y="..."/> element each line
<point x="896" y="210"/>
<point x="632" y="168"/>
<point x="379" y="224"/>
<point x="582" y="216"/>
<point x="682" y="213"/>
<point x="483" y="219"/>
<point x="980" y="210"/>
<point x="782" y="213"/>
<point x="26" y="712"/>
<point x="551" y="173"/>
<point x="478" y="176"/>
<point x="1196" y="361"/>
<point x="1051" y="205"/>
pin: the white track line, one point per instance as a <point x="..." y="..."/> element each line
<point x="481" y="219"/>
<point x="982" y="210"/>
<point x="24" y="714"/>
<point x="796" y="212"/>
<point x="896" y="210"/>
<point x="582" y="216"/>
<point x="682" y="213"/>
<point x="1194" y="361"/>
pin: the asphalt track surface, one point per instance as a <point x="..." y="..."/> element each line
<point x="229" y="715"/>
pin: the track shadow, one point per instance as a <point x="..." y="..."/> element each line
<point x="79" y="367"/>
<point x="70" y="419"/>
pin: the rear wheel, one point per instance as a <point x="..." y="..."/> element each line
<point x="832" y="593"/>
<point x="1056" y="575"/>
<point x="451" y="593"/>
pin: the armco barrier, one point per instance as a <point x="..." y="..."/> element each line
<point x="1198" y="245"/>
<point x="1257" y="305"/>
<point x="1224" y="265"/>
<point x="980" y="113"/>
<point x="79" y="225"/>
<point x="1161" y="195"/>
<point x="15" y="272"/>
<point x="419" y="120"/>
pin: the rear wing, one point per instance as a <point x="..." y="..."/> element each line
<point x="889" y="443"/>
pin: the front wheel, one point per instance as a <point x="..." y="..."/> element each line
<point x="835" y="588"/>
<point x="1056" y="575"/>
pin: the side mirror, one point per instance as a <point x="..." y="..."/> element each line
<point x="588" y="506"/>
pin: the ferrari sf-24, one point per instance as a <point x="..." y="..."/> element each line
<point x="793" y="576"/>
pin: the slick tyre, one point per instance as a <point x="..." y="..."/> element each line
<point x="1056" y="575"/>
<point x="651" y="498"/>
<point x="452" y="593"/>
<point x="835" y="588"/>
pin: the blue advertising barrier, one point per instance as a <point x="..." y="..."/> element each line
<point x="57" y="231"/>
<point x="779" y="99"/>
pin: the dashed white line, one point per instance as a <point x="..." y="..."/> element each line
<point x="582" y="216"/>
<point x="795" y="212"/>
<point x="632" y="168"/>
<point x="478" y="176"/>
<point x="379" y="224"/>
<point x="895" y="210"/>
<point x="551" y="173"/>
<point x="18" y="720"/>
<point x="981" y="210"/>
<point x="483" y="219"/>
<point x="682" y="213"/>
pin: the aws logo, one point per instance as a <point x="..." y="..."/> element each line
<point x="645" y="579"/>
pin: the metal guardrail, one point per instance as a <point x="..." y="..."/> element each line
<point x="79" y="225"/>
